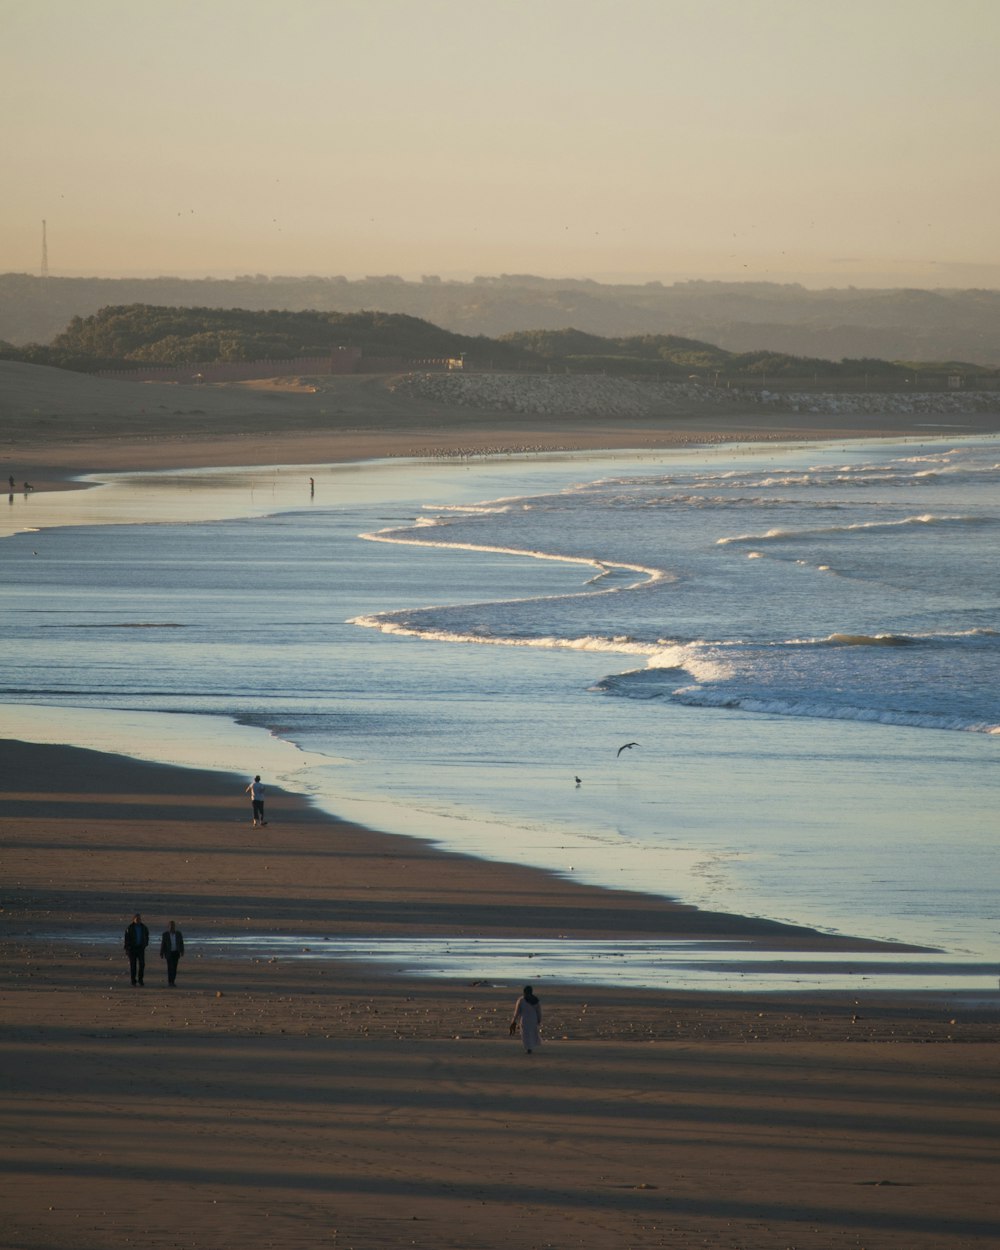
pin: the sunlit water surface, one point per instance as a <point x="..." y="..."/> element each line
<point x="802" y="641"/>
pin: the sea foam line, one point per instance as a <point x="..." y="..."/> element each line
<point x="860" y="526"/>
<point x="385" y="621"/>
<point x="648" y="575"/>
<point x="588" y="642"/>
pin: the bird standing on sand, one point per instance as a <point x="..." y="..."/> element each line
<point x="626" y="746"/>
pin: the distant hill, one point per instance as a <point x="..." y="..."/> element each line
<point x="150" y="334"/>
<point x="903" y="324"/>
<point x="137" y="335"/>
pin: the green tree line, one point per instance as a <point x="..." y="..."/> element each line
<point x="135" y="335"/>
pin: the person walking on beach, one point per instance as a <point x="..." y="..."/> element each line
<point x="136" y="941"/>
<point x="256" y="792"/>
<point x="528" y="1018"/>
<point x="171" y="949"/>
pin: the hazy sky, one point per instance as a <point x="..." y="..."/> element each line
<point x="826" y="141"/>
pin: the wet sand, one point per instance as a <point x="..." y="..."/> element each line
<point x="271" y="1102"/>
<point x="267" y="1102"/>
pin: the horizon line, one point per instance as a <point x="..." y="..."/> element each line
<point x="609" y="280"/>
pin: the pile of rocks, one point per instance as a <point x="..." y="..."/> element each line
<point x="876" y="403"/>
<point x="601" y="396"/>
<point x="559" y="394"/>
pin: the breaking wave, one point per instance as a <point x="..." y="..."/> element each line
<point x="781" y="679"/>
<point x="645" y="575"/>
<point x="787" y="535"/>
<point x="388" y="625"/>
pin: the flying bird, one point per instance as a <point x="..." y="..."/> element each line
<point x="627" y="746"/>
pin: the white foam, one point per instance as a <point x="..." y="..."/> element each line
<point x="589" y="642"/>
<point x="858" y="526"/>
<point x="645" y="573"/>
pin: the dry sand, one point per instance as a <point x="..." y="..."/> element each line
<point x="54" y="424"/>
<point x="288" y="1104"/>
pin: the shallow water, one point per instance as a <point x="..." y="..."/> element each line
<point x="662" y="965"/>
<point x="802" y="642"/>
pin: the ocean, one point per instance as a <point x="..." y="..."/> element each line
<point x="801" y="641"/>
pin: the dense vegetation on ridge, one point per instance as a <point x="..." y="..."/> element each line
<point x="131" y="336"/>
<point x="831" y="323"/>
<point x="669" y="356"/>
<point x="143" y="334"/>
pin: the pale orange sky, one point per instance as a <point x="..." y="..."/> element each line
<point x="830" y="143"/>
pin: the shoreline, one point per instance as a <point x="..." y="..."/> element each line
<point x="54" y="466"/>
<point x="80" y="818"/>
<point x="380" y="1110"/>
<point x="60" y="425"/>
<point x="218" y="453"/>
<point x="271" y="1102"/>
<point x="201" y="809"/>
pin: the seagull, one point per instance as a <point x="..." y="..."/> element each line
<point x="626" y="747"/>
<point x="578" y="780"/>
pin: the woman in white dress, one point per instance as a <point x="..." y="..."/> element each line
<point x="527" y="1018"/>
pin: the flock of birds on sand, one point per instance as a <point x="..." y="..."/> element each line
<point x="625" y="746"/>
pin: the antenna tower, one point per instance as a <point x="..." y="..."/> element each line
<point x="45" y="253"/>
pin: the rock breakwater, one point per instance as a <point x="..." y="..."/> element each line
<point x="602" y="396"/>
<point x="559" y="394"/>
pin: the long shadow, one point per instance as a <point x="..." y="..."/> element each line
<point x="462" y="913"/>
<point x="264" y="1073"/>
<point x="174" y="1119"/>
<point x="242" y="853"/>
<point x="714" y="1207"/>
<point x="128" y="811"/>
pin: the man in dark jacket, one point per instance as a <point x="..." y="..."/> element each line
<point x="171" y="949"/>
<point x="136" y="941"/>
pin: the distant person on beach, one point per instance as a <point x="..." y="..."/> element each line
<point x="171" y="949"/>
<point x="256" y="792"/>
<point x="312" y="487"/>
<point x="10" y="483"/>
<point x="136" y="941"/>
<point x="528" y="1018"/>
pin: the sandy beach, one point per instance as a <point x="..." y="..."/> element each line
<point x="268" y="1101"/>
<point x="58" y="424"/>
<point x="375" y="1110"/>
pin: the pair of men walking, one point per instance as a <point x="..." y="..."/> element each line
<point x="136" y="941"/>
